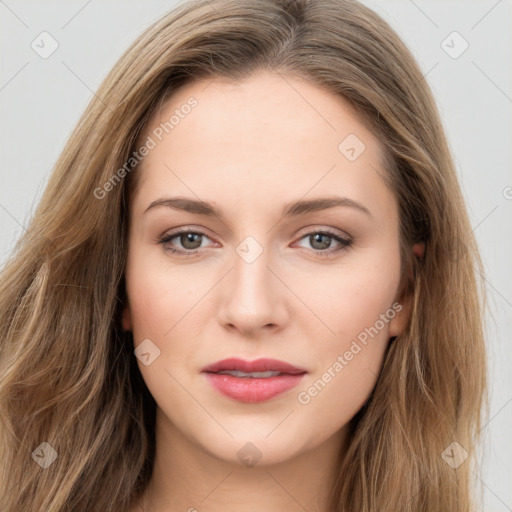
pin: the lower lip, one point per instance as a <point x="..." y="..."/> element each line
<point x="253" y="390"/>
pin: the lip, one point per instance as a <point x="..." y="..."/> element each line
<point x="259" y="365"/>
<point x="253" y="390"/>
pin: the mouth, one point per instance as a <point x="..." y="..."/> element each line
<point x="253" y="381"/>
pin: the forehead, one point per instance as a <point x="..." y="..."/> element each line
<point x="270" y="135"/>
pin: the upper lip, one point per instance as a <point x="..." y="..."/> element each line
<point x="259" y="365"/>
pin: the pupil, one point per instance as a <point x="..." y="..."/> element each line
<point x="190" y="237"/>
<point x="325" y="245"/>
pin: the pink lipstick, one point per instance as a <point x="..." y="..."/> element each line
<point x="253" y="381"/>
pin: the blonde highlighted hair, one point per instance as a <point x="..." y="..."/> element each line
<point x="68" y="375"/>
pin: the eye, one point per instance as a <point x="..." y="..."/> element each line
<point x="190" y="241"/>
<point x="322" y="240"/>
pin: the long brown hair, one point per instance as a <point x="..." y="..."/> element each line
<point x="67" y="371"/>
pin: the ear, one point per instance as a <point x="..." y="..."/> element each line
<point x="419" y="250"/>
<point x="404" y="302"/>
<point x="126" y="319"/>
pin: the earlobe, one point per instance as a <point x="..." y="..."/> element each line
<point x="126" y="319"/>
<point x="398" y="323"/>
<point x="419" y="250"/>
<point x="404" y="304"/>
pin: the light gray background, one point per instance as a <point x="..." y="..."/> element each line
<point x="42" y="99"/>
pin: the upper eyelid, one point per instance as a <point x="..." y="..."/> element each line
<point x="180" y="231"/>
<point x="334" y="232"/>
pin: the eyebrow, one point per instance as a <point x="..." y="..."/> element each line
<point x="292" y="209"/>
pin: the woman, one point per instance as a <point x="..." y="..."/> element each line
<point x="250" y="282"/>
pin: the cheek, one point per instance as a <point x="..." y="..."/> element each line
<point x="349" y="363"/>
<point x="358" y="307"/>
<point x="162" y="310"/>
<point x="331" y="398"/>
<point x="153" y="306"/>
<point x="161" y="295"/>
<point x="169" y="306"/>
<point x="350" y="298"/>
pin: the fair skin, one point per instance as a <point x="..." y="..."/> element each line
<point x="250" y="148"/>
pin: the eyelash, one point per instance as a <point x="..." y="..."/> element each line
<point x="345" y="242"/>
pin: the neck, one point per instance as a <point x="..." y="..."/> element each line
<point x="187" y="478"/>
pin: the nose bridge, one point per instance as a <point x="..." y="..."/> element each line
<point x="252" y="297"/>
<point x="251" y="276"/>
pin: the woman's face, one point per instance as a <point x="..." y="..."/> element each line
<point x="272" y="273"/>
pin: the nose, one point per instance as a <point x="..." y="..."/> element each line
<point x="254" y="297"/>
